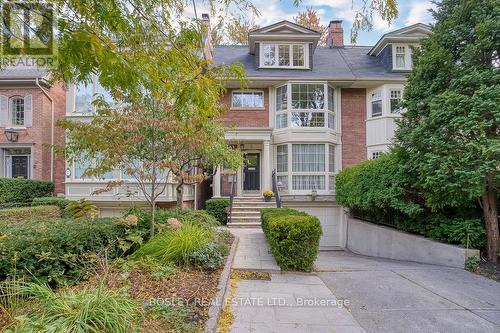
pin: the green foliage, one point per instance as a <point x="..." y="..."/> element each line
<point x="217" y="208"/>
<point x="293" y="237"/>
<point x="60" y="251"/>
<point x="209" y="257"/>
<point x="23" y="190"/>
<point x="181" y="318"/>
<point x="472" y="264"/>
<point x="23" y="214"/>
<point x="376" y="184"/>
<point x="468" y="233"/>
<point x="81" y="209"/>
<point x="175" y="246"/>
<point x="53" y="201"/>
<point x="157" y="270"/>
<point x="88" y="310"/>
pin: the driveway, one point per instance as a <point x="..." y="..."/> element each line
<point x="377" y="295"/>
<point x="396" y="296"/>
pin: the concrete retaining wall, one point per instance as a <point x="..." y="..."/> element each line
<point x="378" y="241"/>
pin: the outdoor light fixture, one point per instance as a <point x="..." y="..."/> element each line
<point x="314" y="194"/>
<point x="11" y="135"/>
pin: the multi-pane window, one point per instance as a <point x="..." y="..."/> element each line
<point x="281" y="120"/>
<point x="80" y="166"/>
<point x="87" y="92"/>
<point x="308" y="96"/>
<point x="250" y="99"/>
<point x="281" y="98"/>
<point x="400" y="56"/>
<point x="331" y="108"/>
<point x="308" y="119"/>
<point x="17" y="111"/>
<point x="308" y="157"/>
<point x="395" y="100"/>
<point x="282" y="158"/>
<point x="376" y="104"/>
<point x="283" y="55"/>
<point x="376" y="154"/>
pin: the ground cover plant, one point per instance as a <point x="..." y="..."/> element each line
<point x="24" y="214"/>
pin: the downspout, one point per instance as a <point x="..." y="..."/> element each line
<point x="52" y="119"/>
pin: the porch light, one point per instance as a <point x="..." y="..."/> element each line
<point x="11" y="135"/>
<point x="314" y="194"/>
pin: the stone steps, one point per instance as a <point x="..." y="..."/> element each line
<point x="246" y="211"/>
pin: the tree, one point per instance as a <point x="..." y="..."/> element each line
<point x="155" y="63"/>
<point x="449" y="136"/>
<point x="237" y="30"/>
<point x="310" y="19"/>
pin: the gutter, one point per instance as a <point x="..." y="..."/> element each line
<point x="52" y="130"/>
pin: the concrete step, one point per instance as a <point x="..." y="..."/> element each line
<point x="244" y="225"/>
<point x="244" y="212"/>
<point x="257" y="204"/>
<point x="245" y="219"/>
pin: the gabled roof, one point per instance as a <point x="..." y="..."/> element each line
<point x="282" y="31"/>
<point x="412" y="33"/>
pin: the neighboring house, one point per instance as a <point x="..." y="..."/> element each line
<point x="79" y="107"/>
<point x="310" y="111"/>
<point x="30" y="106"/>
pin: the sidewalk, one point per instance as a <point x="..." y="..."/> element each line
<point x="289" y="303"/>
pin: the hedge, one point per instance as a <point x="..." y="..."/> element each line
<point x="23" y="190"/>
<point x="217" y="208"/>
<point x="57" y="251"/>
<point x="293" y="237"/>
<point x="24" y="214"/>
<point x="54" y="201"/>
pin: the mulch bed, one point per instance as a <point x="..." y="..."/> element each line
<point x="489" y="270"/>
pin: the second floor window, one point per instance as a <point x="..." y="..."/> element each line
<point x="396" y="97"/>
<point x="247" y="100"/>
<point x="376" y="104"/>
<point x="284" y="55"/>
<point x="86" y="93"/>
<point x="17" y="111"/>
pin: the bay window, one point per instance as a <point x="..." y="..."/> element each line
<point x="307" y="104"/>
<point x="311" y="167"/>
<point x="86" y="92"/>
<point x="376" y="103"/>
<point x="395" y="100"/>
<point x="283" y="55"/>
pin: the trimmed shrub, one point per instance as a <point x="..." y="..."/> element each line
<point x="293" y="237"/>
<point x="53" y="201"/>
<point x="24" y="214"/>
<point x="23" y="190"/>
<point x="217" y="208"/>
<point x="57" y="251"/>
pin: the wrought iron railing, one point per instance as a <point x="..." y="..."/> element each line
<point x="231" y="197"/>
<point x="275" y="189"/>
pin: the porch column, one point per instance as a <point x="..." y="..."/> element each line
<point x="266" y="166"/>
<point x="216" y="183"/>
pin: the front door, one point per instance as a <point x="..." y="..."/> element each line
<point x="20" y="167"/>
<point x="251" y="172"/>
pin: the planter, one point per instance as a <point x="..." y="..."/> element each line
<point x="268" y="199"/>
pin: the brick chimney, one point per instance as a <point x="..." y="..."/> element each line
<point x="207" y="37"/>
<point x="335" y="34"/>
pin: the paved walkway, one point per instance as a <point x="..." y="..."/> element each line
<point x="289" y="303"/>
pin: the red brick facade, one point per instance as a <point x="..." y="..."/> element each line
<point x="39" y="134"/>
<point x="246" y="117"/>
<point x="353" y="104"/>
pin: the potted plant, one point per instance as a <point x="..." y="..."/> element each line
<point x="268" y="195"/>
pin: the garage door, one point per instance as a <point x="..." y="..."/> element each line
<point x="331" y="223"/>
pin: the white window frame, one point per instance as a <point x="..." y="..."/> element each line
<point x="73" y="93"/>
<point x="11" y="111"/>
<point x="329" y="170"/>
<point x="397" y="90"/>
<point x="377" y="96"/>
<point x="376" y="154"/>
<point x="407" y="57"/>
<point x="253" y="92"/>
<point x="327" y="113"/>
<point x="290" y="55"/>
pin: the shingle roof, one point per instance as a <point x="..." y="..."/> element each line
<point x="22" y="73"/>
<point x="348" y="63"/>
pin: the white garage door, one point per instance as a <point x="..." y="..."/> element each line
<point x="331" y="223"/>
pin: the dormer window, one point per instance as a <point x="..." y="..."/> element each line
<point x="284" y="55"/>
<point x="402" y="57"/>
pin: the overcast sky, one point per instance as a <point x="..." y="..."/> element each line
<point x="410" y="11"/>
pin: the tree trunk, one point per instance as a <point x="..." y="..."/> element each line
<point x="153" y="215"/>
<point x="180" y="194"/>
<point x="490" y="212"/>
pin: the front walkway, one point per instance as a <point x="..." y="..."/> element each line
<point x="379" y="295"/>
<point x="288" y="303"/>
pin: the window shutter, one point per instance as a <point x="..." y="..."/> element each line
<point x="28" y="114"/>
<point x="4" y="111"/>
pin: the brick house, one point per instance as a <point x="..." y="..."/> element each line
<point x="30" y="106"/>
<point x="310" y="111"/>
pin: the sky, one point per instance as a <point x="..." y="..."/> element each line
<point x="410" y="12"/>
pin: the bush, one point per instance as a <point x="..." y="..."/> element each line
<point x="23" y="190"/>
<point x="58" y="251"/>
<point x="293" y="237"/>
<point x="53" y="201"/>
<point x="175" y="246"/>
<point x="87" y="310"/>
<point x="209" y="257"/>
<point x="24" y="214"/>
<point x="81" y="209"/>
<point x="217" y="208"/>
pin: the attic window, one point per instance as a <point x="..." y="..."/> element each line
<point x="401" y="57"/>
<point x="284" y="55"/>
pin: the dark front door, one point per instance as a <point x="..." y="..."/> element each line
<point x="251" y="172"/>
<point x="19" y="166"/>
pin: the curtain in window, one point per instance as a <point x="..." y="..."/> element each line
<point x="308" y="157"/>
<point x="308" y="182"/>
<point x="282" y="158"/>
